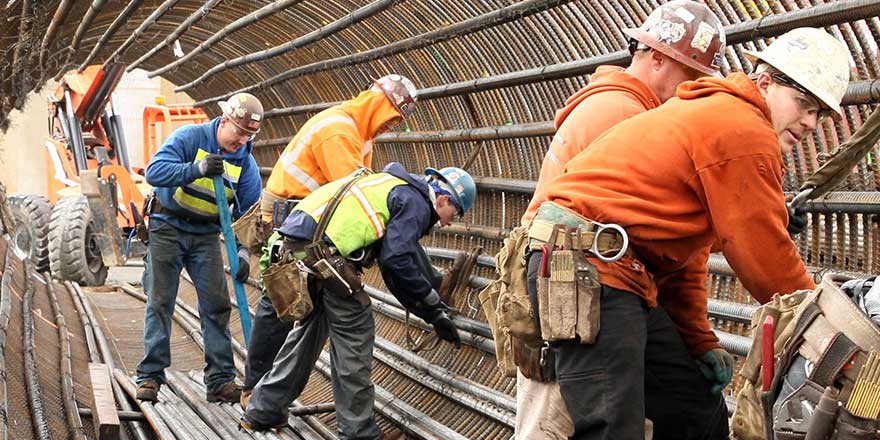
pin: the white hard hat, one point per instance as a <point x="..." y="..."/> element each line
<point x="812" y="58"/>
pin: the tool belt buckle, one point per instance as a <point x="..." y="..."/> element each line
<point x="610" y="227"/>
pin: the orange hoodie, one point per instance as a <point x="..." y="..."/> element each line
<point x="706" y="165"/>
<point x="612" y="96"/>
<point x="330" y="145"/>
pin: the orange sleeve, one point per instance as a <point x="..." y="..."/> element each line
<point x="683" y="296"/>
<point x="591" y="118"/>
<point x="745" y="202"/>
<point x="338" y="156"/>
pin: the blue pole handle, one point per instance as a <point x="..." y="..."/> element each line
<point x="232" y="254"/>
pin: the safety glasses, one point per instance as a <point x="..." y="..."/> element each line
<point x="807" y="102"/>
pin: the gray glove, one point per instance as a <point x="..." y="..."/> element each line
<point x="211" y="165"/>
<point x="445" y="329"/>
<point x="244" y="265"/>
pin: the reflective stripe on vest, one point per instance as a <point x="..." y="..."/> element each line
<point x="290" y="156"/>
<point x="362" y="213"/>
<point x="197" y="197"/>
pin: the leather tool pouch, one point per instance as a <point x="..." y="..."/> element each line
<point x="287" y="287"/>
<point x="141" y="229"/>
<point x="250" y="229"/>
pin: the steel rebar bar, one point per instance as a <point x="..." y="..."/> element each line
<point x="176" y="33"/>
<point x="246" y="20"/>
<point x="74" y="422"/>
<point x="356" y="16"/>
<point x="120" y="19"/>
<point x="488" y="20"/>
<point x="149" y="21"/>
<point x="32" y="378"/>
<point x="58" y="19"/>
<point x="5" y="316"/>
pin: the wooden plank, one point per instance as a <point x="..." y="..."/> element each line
<point x="105" y="416"/>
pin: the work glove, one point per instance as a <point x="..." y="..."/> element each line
<point x="797" y="220"/>
<point x="717" y="367"/>
<point x="445" y="329"/>
<point x="211" y="165"/>
<point x="244" y="265"/>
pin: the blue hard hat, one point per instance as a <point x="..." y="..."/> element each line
<point x="464" y="188"/>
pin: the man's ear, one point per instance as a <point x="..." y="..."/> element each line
<point x="763" y="81"/>
<point x="657" y="59"/>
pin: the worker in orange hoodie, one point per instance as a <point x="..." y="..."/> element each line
<point x="614" y="94"/>
<point x="331" y="145"/>
<point x="704" y="167"/>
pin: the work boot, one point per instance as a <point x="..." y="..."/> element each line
<point x="245" y="399"/>
<point x="148" y="391"/>
<point x="229" y="392"/>
<point x="248" y="425"/>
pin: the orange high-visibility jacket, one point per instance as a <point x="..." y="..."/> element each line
<point x="705" y="166"/>
<point x="612" y="96"/>
<point x="330" y="145"/>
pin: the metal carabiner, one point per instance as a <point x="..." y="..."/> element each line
<point x="601" y="227"/>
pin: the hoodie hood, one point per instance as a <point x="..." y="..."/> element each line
<point x="370" y="110"/>
<point x="416" y="181"/>
<point x="737" y="84"/>
<point x="608" y="78"/>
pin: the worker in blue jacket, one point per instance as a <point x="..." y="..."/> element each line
<point x="386" y="213"/>
<point x="184" y="232"/>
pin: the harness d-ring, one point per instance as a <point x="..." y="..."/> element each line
<point x="601" y="227"/>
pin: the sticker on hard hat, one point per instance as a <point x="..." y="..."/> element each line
<point x="459" y="188"/>
<point x="716" y="60"/>
<point x="453" y="176"/>
<point x="685" y="15"/>
<point x="669" y="32"/>
<point x="703" y="37"/>
<point x="256" y="117"/>
<point x="239" y="112"/>
<point x="242" y="98"/>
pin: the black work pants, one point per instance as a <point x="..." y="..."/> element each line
<point x="638" y="367"/>
<point x="267" y="336"/>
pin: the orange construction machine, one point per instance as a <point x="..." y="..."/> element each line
<point x="96" y="192"/>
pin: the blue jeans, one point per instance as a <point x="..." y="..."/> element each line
<point x="169" y="251"/>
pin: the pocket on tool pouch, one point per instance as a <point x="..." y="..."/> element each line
<point x="287" y="287"/>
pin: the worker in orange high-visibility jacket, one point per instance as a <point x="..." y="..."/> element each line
<point x="338" y="140"/>
<point x="331" y="145"/>
<point x="704" y="168"/>
<point x="614" y="94"/>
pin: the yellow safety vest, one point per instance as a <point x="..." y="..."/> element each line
<point x="197" y="197"/>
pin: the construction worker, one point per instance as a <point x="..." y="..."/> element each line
<point x="184" y="232"/>
<point x="331" y="145"/>
<point x="614" y="94"/>
<point x="385" y="213"/>
<point x="705" y="167"/>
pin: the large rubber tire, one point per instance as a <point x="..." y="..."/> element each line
<point x="74" y="253"/>
<point x="31" y="236"/>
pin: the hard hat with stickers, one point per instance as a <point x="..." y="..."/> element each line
<point x="685" y="31"/>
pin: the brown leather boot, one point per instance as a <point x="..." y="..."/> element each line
<point x="148" y="391"/>
<point x="245" y="399"/>
<point x="229" y="392"/>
